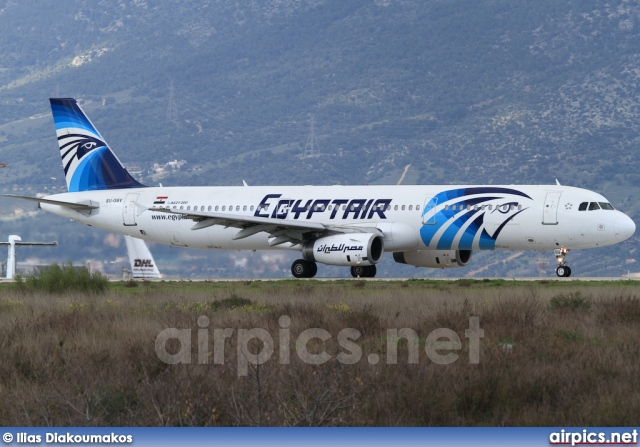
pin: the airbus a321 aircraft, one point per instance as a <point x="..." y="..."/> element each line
<point x="424" y="226"/>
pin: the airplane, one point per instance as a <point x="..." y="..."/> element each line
<point x="434" y="226"/>
<point x="140" y="258"/>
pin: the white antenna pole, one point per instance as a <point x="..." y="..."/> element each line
<point x="11" y="256"/>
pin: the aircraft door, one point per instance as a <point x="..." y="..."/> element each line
<point x="429" y="211"/>
<point x="129" y="210"/>
<point x="550" y="210"/>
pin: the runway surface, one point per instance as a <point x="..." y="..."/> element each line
<point x="512" y="279"/>
<point x="576" y="279"/>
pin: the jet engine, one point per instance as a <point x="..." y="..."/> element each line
<point x="345" y="249"/>
<point x="440" y="259"/>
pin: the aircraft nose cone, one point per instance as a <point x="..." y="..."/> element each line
<point x="625" y="227"/>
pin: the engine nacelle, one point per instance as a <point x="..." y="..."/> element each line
<point x="440" y="259"/>
<point x="345" y="249"/>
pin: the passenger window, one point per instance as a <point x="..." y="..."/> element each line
<point x="583" y="206"/>
<point x="189" y="208"/>
<point x="251" y="209"/>
<point x="217" y="208"/>
<point x="244" y="208"/>
<point x="395" y="208"/>
<point x="446" y="207"/>
<point x="224" y="207"/>
<point x="410" y="207"/>
<point x="468" y="207"/>
<point x="402" y="207"/>
<point x="237" y="207"/>
<point x="489" y="207"/>
<point x="519" y="207"/>
<point x="202" y="208"/>
<point x="209" y="208"/>
<point x="417" y="207"/>
<point x="606" y="206"/>
<point x="593" y="206"/>
<point x="182" y="207"/>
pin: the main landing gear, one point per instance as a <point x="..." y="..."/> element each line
<point x="363" y="271"/>
<point x="563" y="270"/>
<point x="304" y="269"/>
<point x="307" y="269"/>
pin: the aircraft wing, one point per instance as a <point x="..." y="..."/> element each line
<point x="281" y="230"/>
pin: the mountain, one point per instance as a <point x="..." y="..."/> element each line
<point x="488" y="91"/>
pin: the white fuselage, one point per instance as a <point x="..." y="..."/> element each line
<point x="410" y="217"/>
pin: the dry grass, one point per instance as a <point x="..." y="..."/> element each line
<point x="546" y="358"/>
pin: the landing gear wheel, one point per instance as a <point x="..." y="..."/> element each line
<point x="563" y="271"/>
<point x="364" y="271"/>
<point x="304" y="269"/>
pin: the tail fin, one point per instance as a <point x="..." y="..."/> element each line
<point x="88" y="162"/>
<point x="142" y="263"/>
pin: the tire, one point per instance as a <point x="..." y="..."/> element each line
<point x="370" y="271"/>
<point x="562" y="271"/>
<point x="304" y="269"/>
<point x="568" y="272"/>
<point x="363" y="271"/>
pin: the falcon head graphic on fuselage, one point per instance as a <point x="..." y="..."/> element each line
<point x="88" y="162"/>
<point x="470" y="218"/>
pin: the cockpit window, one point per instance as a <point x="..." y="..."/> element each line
<point x="606" y="206"/>
<point x="594" y="206"/>
<point x="583" y="206"/>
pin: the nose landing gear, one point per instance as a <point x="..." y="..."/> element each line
<point x="563" y="270"/>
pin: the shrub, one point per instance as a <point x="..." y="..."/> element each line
<point x="234" y="301"/>
<point x="131" y="283"/>
<point x="62" y="279"/>
<point x="620" y="309"/>
<point x="572" y="301"/>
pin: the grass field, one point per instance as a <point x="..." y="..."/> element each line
<point x="553" y="353"/>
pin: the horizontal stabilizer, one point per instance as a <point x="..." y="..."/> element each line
<point x="30" y="244"/>
<point x="74" y="206"/>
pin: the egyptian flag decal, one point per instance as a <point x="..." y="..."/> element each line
<point x="160" y="200"/>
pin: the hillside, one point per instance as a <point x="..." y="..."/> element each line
<point x="465" y="92"/>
